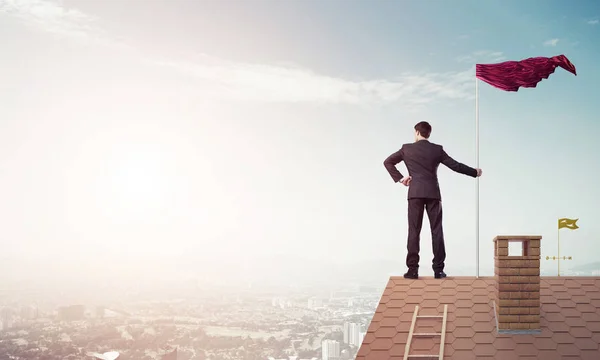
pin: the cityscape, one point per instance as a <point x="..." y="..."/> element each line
<point x="251" y="325"/>
<point x="203" y="321"/>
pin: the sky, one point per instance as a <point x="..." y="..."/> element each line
<point x="229" y="135"/>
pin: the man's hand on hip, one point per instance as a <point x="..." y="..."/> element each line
<point x="479" y="172"/>
<point x="406" y="180"/>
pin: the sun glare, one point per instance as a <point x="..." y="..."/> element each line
<point x="137" y="182"/>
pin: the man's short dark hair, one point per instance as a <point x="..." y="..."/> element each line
<point x="424" y="129"/>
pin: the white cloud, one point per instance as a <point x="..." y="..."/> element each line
<point x="54" y="17"/>
<point x="593" y="22"/>
<point x="551" y="42"/>
<point x="481" y="56"/>
<point x="261" y="82"/>
<point x="51" y="16"/>
<point x="273" y="83"/>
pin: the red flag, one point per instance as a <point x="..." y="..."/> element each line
<point x="511" y="75"/>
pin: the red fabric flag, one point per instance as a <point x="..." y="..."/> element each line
<point x="511" y="75"/>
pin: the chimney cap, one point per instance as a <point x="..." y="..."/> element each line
<point x="517" y="237"/>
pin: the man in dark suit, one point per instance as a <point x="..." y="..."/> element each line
<point x="422" y="159"/>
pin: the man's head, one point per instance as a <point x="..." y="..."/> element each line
<point x="422" y="130"/>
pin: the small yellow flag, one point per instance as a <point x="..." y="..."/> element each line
<point x="568" y="223"/>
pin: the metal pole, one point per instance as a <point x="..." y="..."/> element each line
<point x="558" y="238"/>
<point x="477" y="166"/>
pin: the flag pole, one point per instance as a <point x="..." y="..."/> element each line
<point x="477" y="166"/>
<point x="558" y="238"/>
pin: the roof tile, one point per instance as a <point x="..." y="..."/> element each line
<point x="525" y="349"/>
<point x="463" y="344"/>
<point x="381" y="344"/>
<point x="385" y="332"/>
<point x="586" y="308"/>
<point x="466" y="322"/>
<point x="575" y="322"/>
<point x="581" y="332"/>
<point x="463" y="332"/>
<point x="392" y="321"/>
<point x="570" y="312"/>
<point x="547" y="355"/>
<point x="588" y="355"/>
<point x="483" y="338"/>
<point x="485" y="350"/>
<point x="567" y="350"/>
<point x="563" y="338"/>
<point x="464" y="355"/>
<point x="544" y="344"/>
<point x="586" y="344"/>
<point x="565" y="303"/>
<point x="400" y="338"/>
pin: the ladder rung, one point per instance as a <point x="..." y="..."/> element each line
<point x="427" y="334"/>
<point x="430" y="316"/>
<point x="424" y="356"/>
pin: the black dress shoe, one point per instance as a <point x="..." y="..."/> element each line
<point x="440" y="274"/>
<point x="411" y="275"/>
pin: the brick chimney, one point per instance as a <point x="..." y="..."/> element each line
<point x="517" y="284"/>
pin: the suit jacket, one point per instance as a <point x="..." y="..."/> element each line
<point x="422" y="159"/>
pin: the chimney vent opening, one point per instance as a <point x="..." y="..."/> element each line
<point x="515" y="248"/>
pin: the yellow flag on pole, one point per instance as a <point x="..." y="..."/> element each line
<point x="568" y="223"/>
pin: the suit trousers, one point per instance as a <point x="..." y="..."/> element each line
<point x="416" y="208"/>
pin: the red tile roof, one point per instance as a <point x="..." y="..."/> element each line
<point x="569" y="321"/>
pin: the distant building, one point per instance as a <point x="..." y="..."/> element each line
<point x="346" y="332"/>
<point x="71" y="313"/>
<point x="330" y="350"/>
<point x="281" y="303"/>
<point x="29" y="312"/>
<point x="367" y="289"/>
<point x="353" y="334"/>
<point x="314" y="303"/>
<point x="6" y="319"/>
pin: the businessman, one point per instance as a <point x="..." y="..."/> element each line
<point x="422" y="159"/>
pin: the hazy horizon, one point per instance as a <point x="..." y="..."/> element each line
<point x="143" y="140"/>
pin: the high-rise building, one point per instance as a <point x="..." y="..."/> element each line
<point x="361" y="337"/>
<point x="330" y="350"/>
<point x="353" y="334"/>
<point x="346" y="333"/>
<point x="6" y="319"/>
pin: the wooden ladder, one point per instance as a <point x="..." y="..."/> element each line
<point x="412" y="333"/>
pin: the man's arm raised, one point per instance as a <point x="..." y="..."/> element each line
<point x="459" y="167"/>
